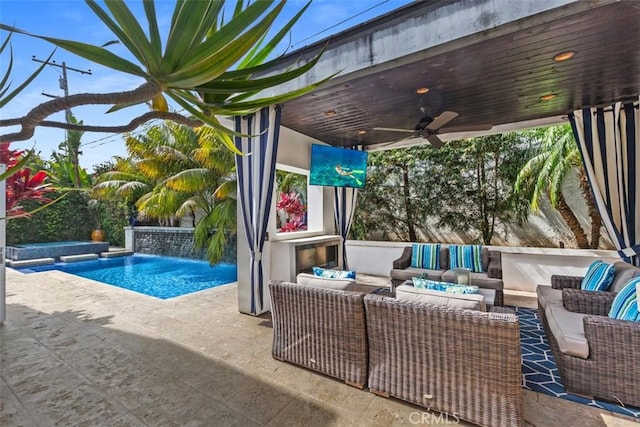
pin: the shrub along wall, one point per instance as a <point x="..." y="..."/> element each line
<point x="68" y="219"/>
<point x="114" y="219"/>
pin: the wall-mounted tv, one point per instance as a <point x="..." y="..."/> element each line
<point x="337" y="167"/>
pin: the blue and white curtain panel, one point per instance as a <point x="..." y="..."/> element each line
<point x="344" y="206"/>
<point x="256" y="171"/>
<point x="608" y="138"/>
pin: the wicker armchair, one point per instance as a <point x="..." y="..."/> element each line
<point x="320" y="329"/>
<point x="459" y="362"/>
<point x="611" y="370"/>
<point x="608" y="369"/>
<point x="566" y="290"/>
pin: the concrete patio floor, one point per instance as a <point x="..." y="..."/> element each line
<point x="79" y="353"/>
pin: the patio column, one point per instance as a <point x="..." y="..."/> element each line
<point x="256" y="171"/>
<point x="608" y="139"/>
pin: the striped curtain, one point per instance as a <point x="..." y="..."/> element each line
<point x="608" y="139"/>
<point x="256" y="170"/>
<point x="344" y="205"/>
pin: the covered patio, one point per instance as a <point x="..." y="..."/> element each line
<point x="77" y="352"/>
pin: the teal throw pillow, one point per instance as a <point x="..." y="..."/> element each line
<point x="598" y="277"/>
<point x="449" y="288"/>
<point x="333" y="274"/>
<point x="625" y="304"/>
<point x="425" y="256"/>
<point x="466" y="256"/>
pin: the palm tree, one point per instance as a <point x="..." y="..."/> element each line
<point x="545" y="174"/>
<point x="175" y="171"/>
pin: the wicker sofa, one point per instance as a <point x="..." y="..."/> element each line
<point x="491" y="263"/>
<point x="307" y="331"/>
<point x="596" y="355"/>
<point x="466" y="364"/>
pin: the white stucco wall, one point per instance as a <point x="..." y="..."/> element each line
<point x="522" y="268"/>
<point x="294" y="150"/>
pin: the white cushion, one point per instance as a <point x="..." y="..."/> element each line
<point x="547" y="296"/>
<point x="460" y="301"/>
<point x="568" y="329"/>
<point x="489" y="296"/>
<point x="323" y="282"/>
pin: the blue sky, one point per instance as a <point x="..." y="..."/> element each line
<point x="74" y="20"/>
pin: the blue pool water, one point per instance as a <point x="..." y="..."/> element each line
<point x="50" y="244"/>
<point x="161" y="277"/>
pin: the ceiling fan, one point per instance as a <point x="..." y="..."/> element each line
<point x="429" y="127"/>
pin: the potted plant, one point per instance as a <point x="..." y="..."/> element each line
<point x="132" y="213"/>
<point x="95" y="208"/>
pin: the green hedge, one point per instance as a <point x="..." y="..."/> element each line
<point x="114" y="219"/>
<point x="68" y="219"/>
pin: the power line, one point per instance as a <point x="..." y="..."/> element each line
<point x="340" y="23"/>
<point x="115" y="135"/>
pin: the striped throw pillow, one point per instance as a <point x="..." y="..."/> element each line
<point x="466" y="256"/>
<point x="450" y="288"/>
<point x="329" y="273"/>
<point x="599" y="276"/>
<point x="625" y="304"/>
<point x="425" y="256"/>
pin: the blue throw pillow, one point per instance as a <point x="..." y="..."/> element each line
<point x="466" y="256"/>
<point x="598" y="277"/>
<point x="333" y="274"/>
<point x="625" y="304"/>
<point x="449" y="288"/>
<point x="425" y="256"/>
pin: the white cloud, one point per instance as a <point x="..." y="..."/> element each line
<point x="72" y="15"/>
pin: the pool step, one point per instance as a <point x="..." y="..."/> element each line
<point x="31" y="262"/>
<point x="76" y="258"/>
<point x="114" y="254"/>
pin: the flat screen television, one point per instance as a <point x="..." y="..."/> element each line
<point x="337" y="167"/>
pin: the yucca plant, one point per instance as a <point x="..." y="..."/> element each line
<point x="206" y="65"/>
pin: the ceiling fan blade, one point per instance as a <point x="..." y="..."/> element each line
<point x="471" y="128"/>
<point x="435" y="141"/>
<point x="395" y="130"/>
<point x="442" y="120"/>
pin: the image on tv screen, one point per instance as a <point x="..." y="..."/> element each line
<point x="337" y="167"/>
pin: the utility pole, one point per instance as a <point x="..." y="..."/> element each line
<point x="64" y="85"/>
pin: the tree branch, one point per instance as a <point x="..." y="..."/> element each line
<point x="133" y="124"/>
<point x="37" y="115"/>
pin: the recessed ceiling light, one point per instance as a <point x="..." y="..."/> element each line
<point x="422" y="90"/>
<point x="548" y="97"/>
<point x="330" y="113"/>
<point x="564" y="56"/>
<point x="362" y="132"/>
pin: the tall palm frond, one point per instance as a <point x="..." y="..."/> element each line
<point x="206" y="65"/>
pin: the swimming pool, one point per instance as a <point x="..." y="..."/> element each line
<point x="157" y="276"/>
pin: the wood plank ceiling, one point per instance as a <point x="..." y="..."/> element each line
<point x="492" y="82"/>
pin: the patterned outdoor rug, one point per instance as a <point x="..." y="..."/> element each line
<point x="539" y="369"/>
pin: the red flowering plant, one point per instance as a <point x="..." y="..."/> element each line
<point x="21" y="183"/>
<point x="294" y="211"/>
